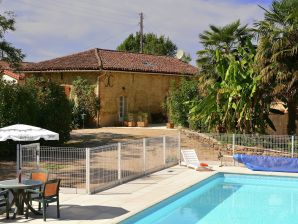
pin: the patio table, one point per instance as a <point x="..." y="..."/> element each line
<point x="19" y="195"/>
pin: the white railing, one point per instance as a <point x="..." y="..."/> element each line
<point x="114" y="164"/>
<point x="93" y="169"/>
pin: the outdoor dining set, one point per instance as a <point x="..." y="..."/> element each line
<point x="17" y="195"/>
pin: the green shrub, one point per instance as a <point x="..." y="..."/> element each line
<point x="177" y="105"/>
<point x="38" y="103"/>
<point x="17" y="104"/>
<point x="54" y="110"/>
<point x="85" y="102"/>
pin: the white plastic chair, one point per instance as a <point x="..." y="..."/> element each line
<point x="190" y="158"/>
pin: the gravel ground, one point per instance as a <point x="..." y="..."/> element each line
<point x="103" y="136"/>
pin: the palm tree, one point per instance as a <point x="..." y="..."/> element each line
<point x="234" y="104"/>
<point x="225" y="39"/>
<point x="277" y="54"/>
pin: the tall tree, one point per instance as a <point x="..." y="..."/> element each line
<point x="225" y="39"/>
<point x="277" y="54"/>
<point x="7" y="52"/>
<point x="152" y="44"/>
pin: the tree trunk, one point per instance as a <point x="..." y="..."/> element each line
<point x="292" y="116"/>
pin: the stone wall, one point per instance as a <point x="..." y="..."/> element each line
<point x="142" y="92"/>
<point x="213" y="151"/>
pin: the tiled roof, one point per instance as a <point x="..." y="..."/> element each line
<point x="97" y="59"/>
<point x="17" y="76"/>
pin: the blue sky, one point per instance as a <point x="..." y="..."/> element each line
<point x="50" y="28"/>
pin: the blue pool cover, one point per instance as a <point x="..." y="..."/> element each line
<point x="268" y="163"/>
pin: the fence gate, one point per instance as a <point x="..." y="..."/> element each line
<point x="28" y="157"/>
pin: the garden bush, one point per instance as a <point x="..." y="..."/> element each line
<point x="177" y="105"/>
<point x="38" y="103"/>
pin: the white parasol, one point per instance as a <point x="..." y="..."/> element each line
<point x="22" y="132"/>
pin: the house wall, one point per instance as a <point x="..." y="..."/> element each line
<point x="13" y="80"/>
<point x="143" y="92"/>
<point x="9" y="79"/>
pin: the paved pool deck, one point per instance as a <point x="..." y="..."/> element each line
<point x="118" y="203"/>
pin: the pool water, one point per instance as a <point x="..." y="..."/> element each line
<point x="229" y="199"/>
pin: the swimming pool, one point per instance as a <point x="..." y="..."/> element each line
<point x="228" y="199"/>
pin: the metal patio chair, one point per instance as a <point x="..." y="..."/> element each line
<point x="49" y="194"/>
<point x="4" y="202"/>
<point x="38" y="175"/>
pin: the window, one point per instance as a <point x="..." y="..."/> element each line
<point x="122" y="103"/>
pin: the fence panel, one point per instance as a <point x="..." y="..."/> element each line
<point x="154" y="154"/>
<point x="103" y="167"/>
<point x="206" y="146"/>
<point x="132" y="164"/>
<point x="269" y="145"/>
<point x="28" y="157"/>
<point x="172" y="150"/>
<point x="65" y="163"/>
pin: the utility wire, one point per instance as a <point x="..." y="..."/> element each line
<point x="111" y="37"/>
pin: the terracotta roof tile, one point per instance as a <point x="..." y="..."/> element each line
<point x="96" y="59"/>
<point x="80" y="61"/>
<point x="17" y="76"/>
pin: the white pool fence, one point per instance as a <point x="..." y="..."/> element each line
<point x="90" y="170"/>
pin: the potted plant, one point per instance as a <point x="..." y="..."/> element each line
<point x="166" y="106"/>
<point x="170" y="124"/>
<point x="142" y="119"/>
<point x="131" y="120"/>
<point x="125" y="122"/>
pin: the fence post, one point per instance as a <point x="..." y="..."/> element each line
<point x="164" y="150"/>
<point x="38" y="155"/>
<point x="144" y="155"/>
<point x="21" y="157"/>
<point x="119" y="161"/>
<point x="88" y="190"/>
<point x="18" y="159"/>
<point x="179" y="147"/>
<point x="233" y="147"/>
<point x="292" y="146"/>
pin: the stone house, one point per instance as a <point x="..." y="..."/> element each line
<point x="124" y="82"/>
<point x="7" y="74"/>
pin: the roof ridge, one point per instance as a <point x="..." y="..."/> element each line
<point x="98" y="58"/>
<point x="128" y="52"/>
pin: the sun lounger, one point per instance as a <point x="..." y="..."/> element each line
<point x="190" y="159"/>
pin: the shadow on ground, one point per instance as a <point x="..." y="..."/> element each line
<point x="98" y="139"/>
<point x="73" y="212"/>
